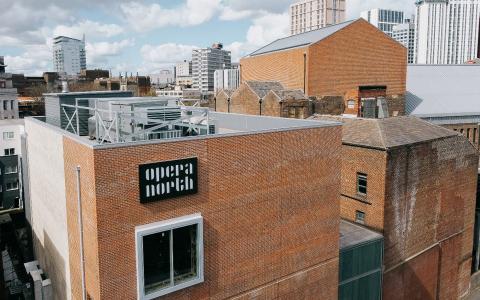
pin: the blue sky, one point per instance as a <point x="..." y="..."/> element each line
<point x="146" y="36"/>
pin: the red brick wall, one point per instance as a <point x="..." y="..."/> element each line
<point x="414" y="280"/>
<point x="358" y="55"/>
<point x="270" y="208"/>
<point x="284" y="66"/>
<point x="430" y="199"/>
<point x="79" y="155"/>
<point x="373" y="163"/>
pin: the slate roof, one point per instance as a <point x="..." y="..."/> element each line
<point x="443" y="90"/>
<point x="290" y="95"/>
<point x="302" y="39"/>
<point x="390" y="132"/>
<point x="261" y="88"/>
<point x="352" y="235"/>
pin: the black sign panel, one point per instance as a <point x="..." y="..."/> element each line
<point x="168" y="179"/>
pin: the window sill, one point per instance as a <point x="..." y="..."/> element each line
<point x="359" y="198"/>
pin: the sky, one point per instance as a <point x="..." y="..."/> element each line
<point x="146" y="36"/>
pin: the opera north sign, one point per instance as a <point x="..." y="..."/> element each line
<point x="168" y="179"/>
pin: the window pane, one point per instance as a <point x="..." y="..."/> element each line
<point x="185" y="253"/>
<point x="156" y="261"/>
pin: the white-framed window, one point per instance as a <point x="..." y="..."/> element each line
<point x="351" y="104"/>
<point x="9" y="151"/>
<point x="360" y="217"/>
<point x="12" y="186"/>
<point x="8" y="135"/>
<point x="11" y="170"/>
<point x="362" y="183"/>
<point x="169" y="256"/>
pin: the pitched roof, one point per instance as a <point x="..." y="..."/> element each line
<point x="443" y="90"/>
<point x="290" y="95"/>
<point x="302" y="39"/>
<point x="390" y="132"/>
<point x="261" y="88"/>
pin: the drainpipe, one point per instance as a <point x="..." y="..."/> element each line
<point x="80" y="226"/>
<point x="305" y="73"/>
<point x="260" y="102"/>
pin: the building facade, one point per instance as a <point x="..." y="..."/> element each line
<point x="416" y="183"/>
<point x="204" y="64"/>
<point x="226" y="79"/>
<point x="10" y="164"/>
<point x="307" y="15"/>
<point x="183" y="74"/>
<point x="264" y="98"/>
<point x="447" y="31"/>
<point x="8" y="94"/>
<point x="405" y="35"/>
<point x="222" y="217"/>
<point x="324" y="64"/>
<point x="69" y="55"/>
<point x="383" y="19"/>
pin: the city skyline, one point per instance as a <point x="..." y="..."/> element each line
<point x="117" y="38"/>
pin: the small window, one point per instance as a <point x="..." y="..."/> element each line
<point x="362" y="183"/>
<point x="169" y="256"/>
<point x="8" y="135"/>
<point x="11" y="186"/>
<point x="11" y="170"/>
<point x="9" y="151"/>
<point x="360" y="217"/>
<point x="351" y="104"/>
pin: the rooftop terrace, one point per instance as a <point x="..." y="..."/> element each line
<point x="116" y="121"/>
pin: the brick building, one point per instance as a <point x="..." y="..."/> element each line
<point x="416" y="183"/>
<point x="257" y="215"/>
<point x="264" y="98"/>
<point x="353" y="60"/>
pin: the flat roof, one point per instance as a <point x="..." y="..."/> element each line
<point x="352" y="235"/>
<point x="227" y="125"/>
<point x="443" y="91"/>
<point x="86" y="93"/>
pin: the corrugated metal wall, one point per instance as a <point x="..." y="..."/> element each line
<point x="361" y="271"/>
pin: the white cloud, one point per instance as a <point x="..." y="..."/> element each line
<point x="229" y="14"/>
<point x="265" y="29"/>
<point x="98" y="53"/>
<point x="33" y="61"/>
<point x="90" y="29"/>
<point x="148" y="17"/>
<point x="270" y="6"/>
<point x="162" y="56"/>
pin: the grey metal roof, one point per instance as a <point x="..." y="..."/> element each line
<point x="390" y="132"/>
<point x="261" y="88"/>
<point x="443" y="91"/>
<point x="302" y="39"/>
<point x="352" y="235"/>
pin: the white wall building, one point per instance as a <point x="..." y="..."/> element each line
<point x="183" y="73"/>
<point x="447" y="31"/>
<point x="405" y="34"/>
<point x="162" y="78"/>
<point x="307" y="15"/>
<point x="69" y="55"/>
<point x="204" y="64"/>
<point x="183" y="68"/>
<point x="8" y="103"/>
<point x="226" y="80"/>
<point x="383" y="19"/>
<point x="11" y="132"/>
